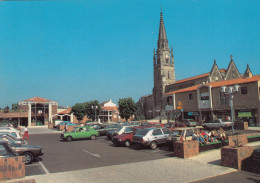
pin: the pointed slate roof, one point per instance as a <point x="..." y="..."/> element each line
<point x="162" y="39"/>
<point x="248" y="72"/>
<point x="232" y="68"/>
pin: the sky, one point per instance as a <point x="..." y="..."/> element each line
<point x="82" y="50"/>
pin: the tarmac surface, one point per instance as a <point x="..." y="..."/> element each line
<point x="171" y="169"/>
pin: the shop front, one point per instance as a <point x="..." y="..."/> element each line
<point x="247" y="115"/>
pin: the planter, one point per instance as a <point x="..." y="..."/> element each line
<point x="233" y="157"/>
<point x="186" y="149"/>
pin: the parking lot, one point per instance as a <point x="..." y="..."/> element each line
<point x="60" y="156"/>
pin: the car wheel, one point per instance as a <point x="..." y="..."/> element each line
<point x="153" y="145"/>
<point x="92" y="137"/>
<point x="28" y="157"/>
<point x="127" y="143"/>
<point x="68" y="139"/>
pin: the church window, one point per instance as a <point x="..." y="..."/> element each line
<point x="169" y="75"/>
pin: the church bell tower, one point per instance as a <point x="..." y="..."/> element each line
<point x="163" y="62"/>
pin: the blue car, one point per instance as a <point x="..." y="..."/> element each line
<point x="68" y="123"/>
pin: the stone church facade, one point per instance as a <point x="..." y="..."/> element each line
<point x="167" y="89"/>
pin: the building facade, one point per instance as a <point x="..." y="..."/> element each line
<point x="198" y="97"/>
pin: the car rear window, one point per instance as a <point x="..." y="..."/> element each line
<point x="176" y="132"/>
<point x="142" y="131"/>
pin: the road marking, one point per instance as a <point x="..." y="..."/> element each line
<point x="44" y="168"/>
<point x="95" y="155"/>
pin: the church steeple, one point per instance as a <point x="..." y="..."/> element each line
<point x="162" y="39"/>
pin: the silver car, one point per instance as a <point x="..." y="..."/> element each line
<point x="151" y="137"/>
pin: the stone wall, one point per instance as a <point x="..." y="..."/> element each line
<point x="242" y="140"/>
<point x="186" y="149"/>
<point x="12" y="168"/>
<point x="234" y="157"/>
<point x="241" y="125"/>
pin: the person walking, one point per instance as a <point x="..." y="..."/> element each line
<point x="66" y="127"/>
<point x="26" y="133"/>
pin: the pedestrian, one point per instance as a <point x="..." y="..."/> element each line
<point x="66" y="128"/>
<point x="26" y="133"/>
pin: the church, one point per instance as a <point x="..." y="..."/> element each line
<point x="199" y="97"/>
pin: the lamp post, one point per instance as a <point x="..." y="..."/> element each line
<point x="95" y="108"/>
<point x="159" y="112"/>
<point x="231" y="90"/>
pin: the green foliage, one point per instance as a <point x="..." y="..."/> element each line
<point x="79" y="111"/>
<point x="139" y="115"/>
<point x="127" y="107"/>
<point x="6" y="110"/>
<point x="92" y="109"/>
<point x="15" y="107"/>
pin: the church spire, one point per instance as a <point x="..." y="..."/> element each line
<point x="162" y="39"/>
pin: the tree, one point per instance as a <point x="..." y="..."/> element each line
<point x="79" y="111"/>
<point x="6" y="110"/>
<point x="139" y="115"/>
<point x="127" y="107"/>
<point x="92" y="109"/>
<point x="15" y="107"/>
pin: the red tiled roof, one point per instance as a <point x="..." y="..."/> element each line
<point x="66" y="111"/>
<point x="223" y="70"/>
<point x="14" y="115"/>
<point x="109" y="108"/>
<point x="192" y="78"/>
<point x="38" y="99"/>
<point x="219" y="84"/>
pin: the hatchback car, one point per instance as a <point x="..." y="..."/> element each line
<point x="120" y="130"/>
<point x="190" y="122"/>
<point x="180" y="134"/>
<point x="6" y="151"/>
<point x="151" y="137"/>
<point x="83" y="132"/>
<point x="31" y="152"/>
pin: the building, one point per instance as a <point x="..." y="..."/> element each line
<point x="109" y="112"/>
<point x="198" y="97"/>
<point x="31" y="111"/>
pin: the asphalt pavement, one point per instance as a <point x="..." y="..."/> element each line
<point x="120" y="164"/>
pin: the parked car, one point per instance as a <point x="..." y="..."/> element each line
<point x="182" y="133"/>
<point x="120" y="130"/>
<point x="68" y="123"/>
<point x="6" y="151"/>
<point x="83" y="132"/>
<point x="126" y="138"/>
<point x="174" y="125"/>
<point x="10" y="130"/>
<point x="31" y="152"/>
<point x="151" y="137"/>
<point x="17" y="140"/>
<point x="190" y="122"/>
<point x="56" y="122"/>
<point x="256" y="159"/>
<point x="217" y="123"/>
<point x="103" y="129"/>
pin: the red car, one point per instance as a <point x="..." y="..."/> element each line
<point x="126" y="139"/>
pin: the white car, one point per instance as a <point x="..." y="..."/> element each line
<point x="217" y="123"/>
<point x="10" y="130"/>
<point x="57" y="122"/>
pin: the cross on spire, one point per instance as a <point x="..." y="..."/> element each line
<point x="231" y="56"/>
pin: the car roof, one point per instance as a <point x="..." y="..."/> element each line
<point x="185" y="128"/>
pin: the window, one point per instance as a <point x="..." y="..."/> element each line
<point x="169" y="100"/>
<point x="223" y="99"/>
<point x="243" y="90"/>
<point x="129" y="129"/>
<point x="190" y="96"/>
<point x="204" y="97"/>
<point x="2" y="150"/>
<point x="157" y="132"/>
<point x="189" y="133"/>
<point x="166" y="131"/>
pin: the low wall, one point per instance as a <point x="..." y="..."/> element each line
<point x="242" y="140"/>
<point x="186" y="149"/>
<point x="234" y="156"/>
<point x="241" y="125"/>
<point x="12" y="168"/>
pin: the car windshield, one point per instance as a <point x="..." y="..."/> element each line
<point x="191" y="120"/>
<point x="119" y="128"/>
<point x="10" y="142"/>
<point x="142" y="131"/>
<point x="176" y="132"/>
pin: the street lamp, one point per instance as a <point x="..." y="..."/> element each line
<point x="159" y="112"/>
<point x="231" y="90"/>
<point x="95" y="108"/>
